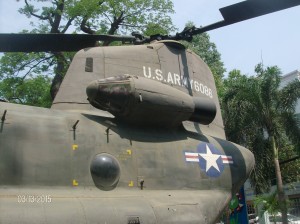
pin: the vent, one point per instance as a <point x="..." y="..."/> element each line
<point x="133" y="220"/>
<point x="89" y="64"/>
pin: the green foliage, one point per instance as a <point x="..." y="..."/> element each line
<point x="267" y="203"/>
<point x="33" y="91"/>
<point x="23" y="64"/>
<point x="155" y="28"/>
<point x="255" y="108"/>
<point x="240" y="127"/>
<point x="89" y="16"/>
<point x="290" y="171"/>
<point x="122" y="17"/>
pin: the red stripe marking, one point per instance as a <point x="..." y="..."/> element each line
<point x="191" y="157"/>
<point x="228" y="159"/>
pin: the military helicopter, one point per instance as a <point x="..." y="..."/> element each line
<point x="134" y="135"/>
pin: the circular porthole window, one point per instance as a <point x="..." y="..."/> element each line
<point x="105" y="171"/>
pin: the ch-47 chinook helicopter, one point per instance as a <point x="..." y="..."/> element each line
<point x="134" y="135"/>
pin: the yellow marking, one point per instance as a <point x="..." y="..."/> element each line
<point x="128" y="151"/>
<point x="75" y="183"/>
<point x="74" y="147"/>
<point x="130" y="184"/>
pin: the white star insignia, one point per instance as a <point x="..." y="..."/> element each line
<point x="211" y="159"/>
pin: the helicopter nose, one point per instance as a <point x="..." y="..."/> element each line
<point x="92" y="90"/>
<point x="111" y="94"/>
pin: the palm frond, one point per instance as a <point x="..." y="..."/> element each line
<point x="268" y="203"/>
<point x="288" y="96"/>
<point x="292" y="128"/>
<point x="269" y="83"/>
<point x="254" y="108"/>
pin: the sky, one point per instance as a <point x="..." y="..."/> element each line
<point x="273" y="39"/>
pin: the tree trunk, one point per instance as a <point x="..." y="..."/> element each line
<point x="59" y="74"/>
<point x="114" y="26"/>
<point x="281" y="194"/>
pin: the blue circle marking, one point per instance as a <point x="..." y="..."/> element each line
<point x="210" y="159"/>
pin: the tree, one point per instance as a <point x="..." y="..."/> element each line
<point x="22" y="65"/>
<point x="240" y="129"/>
<point x="268" y="203"/>
<point x="289" y="166"/>
<point x="122" y="17"/>
<point x="51" y="18"/>
<point x="89" y="16"/>
<point x="261" y="115"/>
<point x="32" y="91"/>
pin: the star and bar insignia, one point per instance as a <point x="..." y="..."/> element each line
<point x="210" y="159"/>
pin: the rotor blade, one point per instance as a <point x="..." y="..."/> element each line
<point x="247" y="10"/>
<point x="53" y="42"/>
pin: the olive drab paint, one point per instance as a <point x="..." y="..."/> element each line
<point x="132" y="137"/>
<point x="134" y="134"/>
<point x="175" y="79"/>
<point x="162" y="58"/>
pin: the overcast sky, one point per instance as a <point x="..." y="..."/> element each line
<point x="274" y="38"/>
